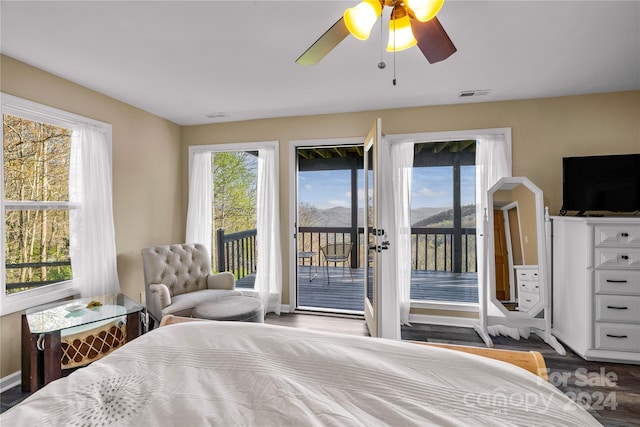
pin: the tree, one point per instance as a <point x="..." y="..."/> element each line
<point x="235" y="177"/>
<point x="308" y="215"/>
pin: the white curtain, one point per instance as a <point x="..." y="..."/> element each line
<point x="493" y="161"/>
<point x="200" y="210"/>
<point x="91" y="229"/>
<point x="269" y="263"/>
<point x="402" y="168"/>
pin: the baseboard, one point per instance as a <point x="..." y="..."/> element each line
<point x="10" y="381"/>
<point x="285" y="308"/>
<point x="462" y="322"/>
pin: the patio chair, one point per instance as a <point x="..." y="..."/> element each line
<point x="337" y="252"/>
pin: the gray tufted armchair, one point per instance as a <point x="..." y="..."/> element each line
<point x="178" y="277"/>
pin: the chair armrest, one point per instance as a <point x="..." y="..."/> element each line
<point x="224" y="280"/>
<point x="160" y="292"/>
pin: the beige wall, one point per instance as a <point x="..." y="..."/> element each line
<point x="150" y="155"/>
<point x="543" y="131"/>
<point x="146" y="179"/>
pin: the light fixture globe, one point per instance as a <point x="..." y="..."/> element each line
<point x="425" y="10"/>
<point x="400" y="32"/>
<point x="360" y="18"/>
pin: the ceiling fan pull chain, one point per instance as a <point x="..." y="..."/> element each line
<point x="394" y="47"/>
<point x="381" y="64"/>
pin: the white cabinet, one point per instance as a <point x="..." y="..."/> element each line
<point x="528" y="286"/>
<point x="596" y="286"/>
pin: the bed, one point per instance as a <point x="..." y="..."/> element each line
<point x="238" y="374"/>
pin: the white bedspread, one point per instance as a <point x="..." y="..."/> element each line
<point x="237" y="374"/>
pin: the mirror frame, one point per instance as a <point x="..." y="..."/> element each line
<point x="509" y="183"/>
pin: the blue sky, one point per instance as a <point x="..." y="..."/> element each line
<point x="431" y="187"/>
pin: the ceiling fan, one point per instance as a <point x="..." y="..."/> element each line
<point x="412" y="22"/>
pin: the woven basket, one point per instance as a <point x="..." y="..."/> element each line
<point x="82" y="348"/>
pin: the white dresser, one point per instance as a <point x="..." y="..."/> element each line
<point x="596" y="286"/>
<point x="528" y="286"/>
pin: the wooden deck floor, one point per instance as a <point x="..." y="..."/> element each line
<point x="339" y="292"/>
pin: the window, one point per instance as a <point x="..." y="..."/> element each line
<point x="38" y="209"/>
<point x="443" y="211"/>
<point x="238" y="251"/>
<point x="36" y="204"/>
<point x="235" y="176"/>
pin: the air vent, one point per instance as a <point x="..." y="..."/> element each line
<point x="217" y="116"/>
<point x="471" y="93"/>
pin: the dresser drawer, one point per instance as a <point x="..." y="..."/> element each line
<point x="526" y="300"/>
<point x="527" y="274"/>
<point x="617" y="235"/>
<point x="611" y="336"/>
<point x="528" y="286"/>
<point x="618" y="308"/>
<point x="617" y="257"/>
<point x="622" y="282"/>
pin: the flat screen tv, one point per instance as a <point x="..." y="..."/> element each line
<point x="601" y="183"/>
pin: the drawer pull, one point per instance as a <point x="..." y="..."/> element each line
<point x="616" y="336"/>
<point x="625" y="257"/>
<point x="613" y="307"/>
<point x="616" y="281"/>
<point x="624" y="234"/>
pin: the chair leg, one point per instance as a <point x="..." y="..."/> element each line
<point x="326" y="266"/>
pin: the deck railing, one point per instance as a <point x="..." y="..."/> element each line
<point x="238" y="254"/>
<point x="311" y="239"/>
<point x="24" y="286"/>
<point x="433" y="249"/>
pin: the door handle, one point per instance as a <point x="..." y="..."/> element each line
<point x="379" y="248"/>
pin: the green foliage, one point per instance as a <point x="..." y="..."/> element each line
<point x="235" y="176"/>
<point x="445" y="218"/>
<point x="235" y="179"/>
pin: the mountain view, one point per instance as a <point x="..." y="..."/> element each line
<point x="421" y="217"/>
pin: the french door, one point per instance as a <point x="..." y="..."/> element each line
<point x="371" y="219"/>
<point x="381" y="303"/>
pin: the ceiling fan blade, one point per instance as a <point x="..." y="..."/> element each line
<point x="433" y="40"/>
<point x="330" y="39"/>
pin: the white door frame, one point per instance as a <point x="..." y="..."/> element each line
<point x="444" y="136"/>
<point x="293" y="205"/>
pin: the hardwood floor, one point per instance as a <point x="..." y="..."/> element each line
<point x="589" y="381"/>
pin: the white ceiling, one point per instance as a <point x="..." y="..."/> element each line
<point x="185" y="60"/>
